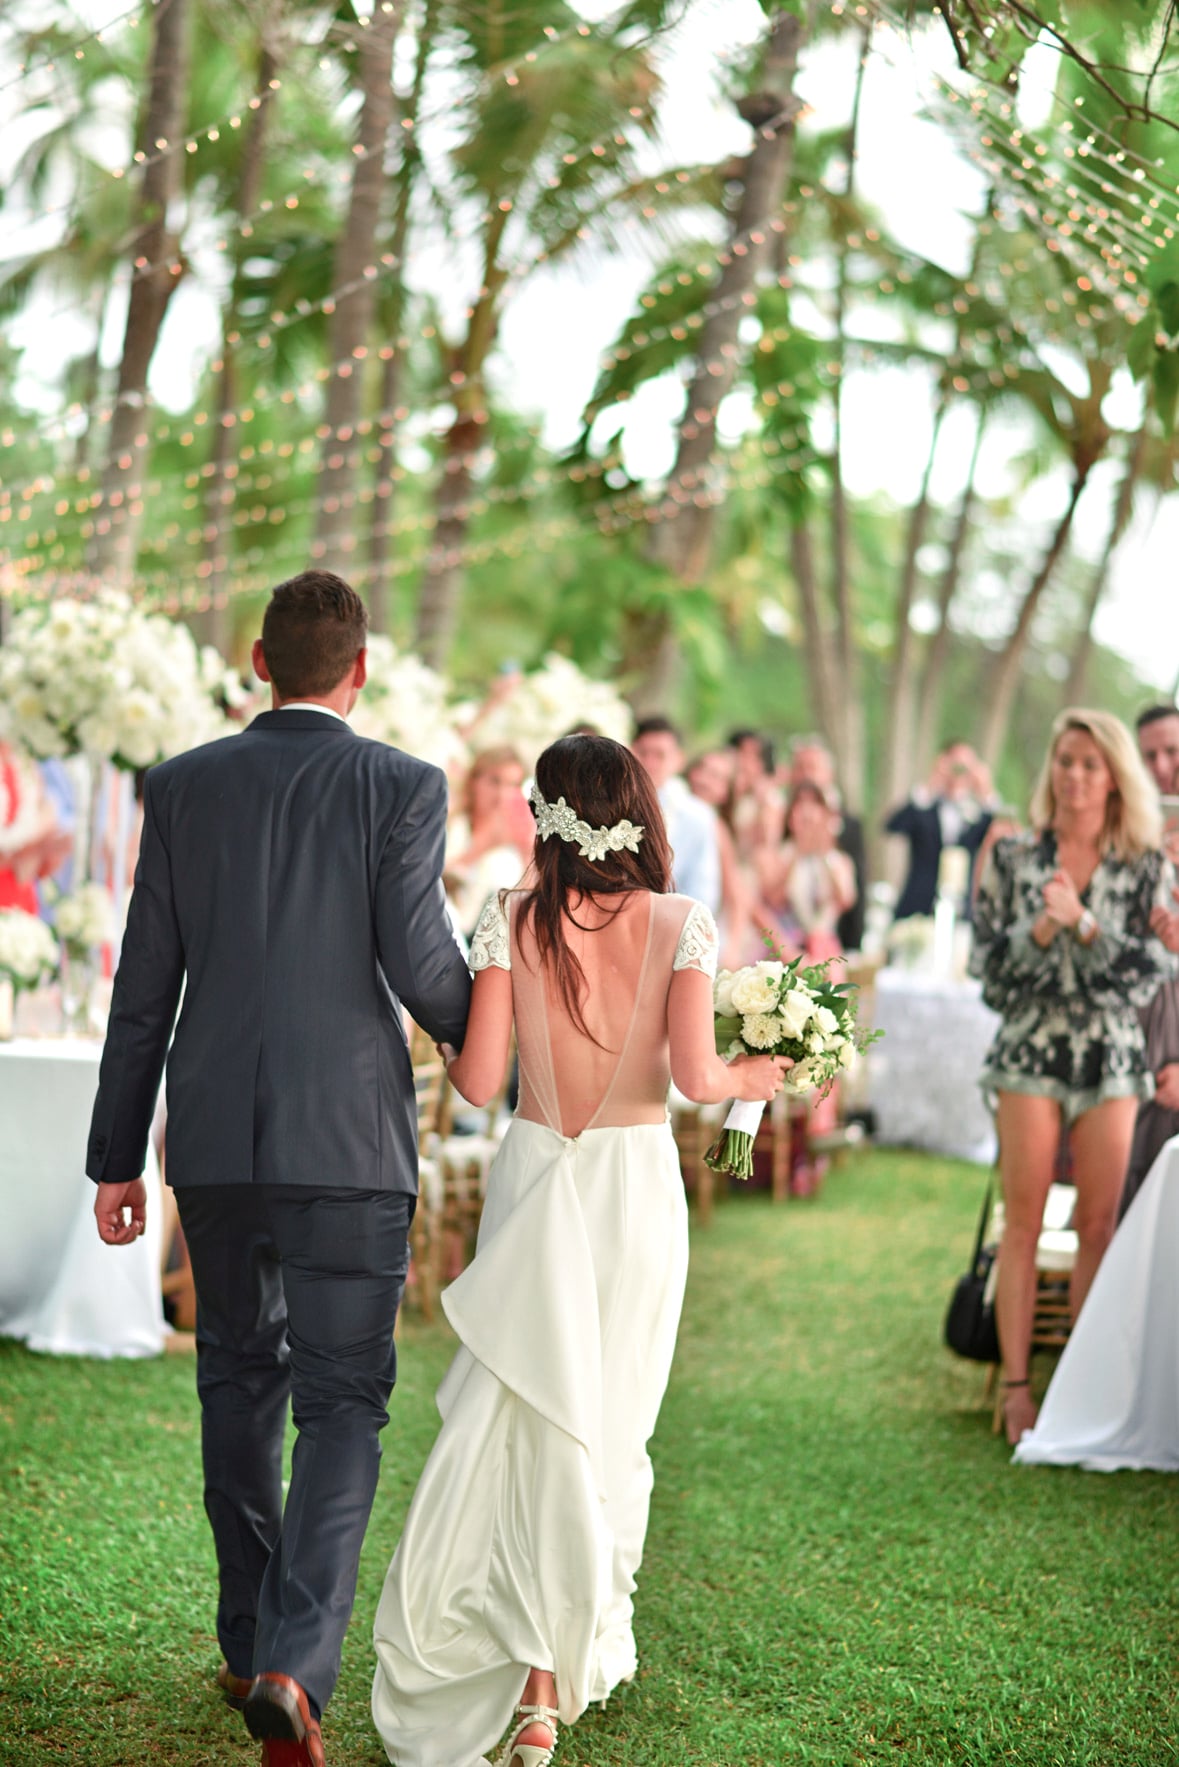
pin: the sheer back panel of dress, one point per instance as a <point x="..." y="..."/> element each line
<point x="619" y="1075"/>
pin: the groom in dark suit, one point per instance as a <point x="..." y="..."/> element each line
<point x="289" y="883"/>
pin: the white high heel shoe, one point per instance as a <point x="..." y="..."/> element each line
<point x="527" y="1754"/>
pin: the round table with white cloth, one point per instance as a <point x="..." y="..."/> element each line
<point x="923" y="1074"/>
<point x="61" y="1289"/>
<point x="1114" y="1399"/>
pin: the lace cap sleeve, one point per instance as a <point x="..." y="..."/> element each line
<point x="491" y="943"/>
<point x="697" y="945"/>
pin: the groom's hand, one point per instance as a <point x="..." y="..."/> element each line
<point x="121" y="1212"/>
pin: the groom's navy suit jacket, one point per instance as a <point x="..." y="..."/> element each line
<point x="290" y="878"/>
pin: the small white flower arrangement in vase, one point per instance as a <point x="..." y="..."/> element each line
<point x="28" y="959"/>
<point x="85" y="923"/>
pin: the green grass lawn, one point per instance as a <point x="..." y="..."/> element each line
<point x="842" y="1567"/>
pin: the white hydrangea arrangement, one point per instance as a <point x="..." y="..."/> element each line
<point x="780" y="1008"/>
<point x="545" y="704"/>
<point x="84" y="919"/>
<point x="28" y="949"/>
<point x="107" y="679"/>
<point x="405" y="703"/>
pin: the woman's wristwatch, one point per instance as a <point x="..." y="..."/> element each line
<point x="1086" y="927"/>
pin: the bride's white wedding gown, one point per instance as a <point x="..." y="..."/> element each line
<point x="524" y="1535"/>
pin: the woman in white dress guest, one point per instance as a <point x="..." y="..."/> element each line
<point x="512" y="1583"/>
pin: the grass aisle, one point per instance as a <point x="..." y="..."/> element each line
<point x="842" y="1567"/>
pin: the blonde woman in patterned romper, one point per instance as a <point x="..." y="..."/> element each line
<point x="1064" y="943"/>
<point x="513" y="1579"/>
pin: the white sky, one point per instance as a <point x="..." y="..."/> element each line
<point x="559" y="324"/>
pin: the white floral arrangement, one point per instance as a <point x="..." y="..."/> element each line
<point x="405" y="703"/>
<point x="28" y="949"/>
<point x="106" y="679"/>
<point x="780" y="1008"/>
<point x="85" y="918"/>
<point x="547" y="703"/>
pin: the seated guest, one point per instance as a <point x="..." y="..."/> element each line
<point x="812" y="760"/>
<point x="952" y="810"/>
<point x="1158" y="1117"/>
<point x="1064" y="945"/>
<point x="489" y="842"/>
<point x="691" y="823"/>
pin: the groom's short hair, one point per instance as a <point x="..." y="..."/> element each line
<point x="314" y="628"/>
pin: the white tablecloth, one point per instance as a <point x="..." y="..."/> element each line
<point x="1114" y="1399"/>
<point x="923" y="1074"/>
<point x="61" y="1289"/>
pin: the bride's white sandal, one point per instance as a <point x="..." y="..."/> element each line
<point x="526" y="1754"/>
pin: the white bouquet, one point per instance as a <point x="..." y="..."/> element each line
<point x="404" y="702"/>
<point x="28" y="950"/>
<point x="779" y="1008"/>
<point x="84" y="919"/>
<point x="106" y="679"/>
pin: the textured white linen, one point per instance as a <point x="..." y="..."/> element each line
<point x="923" y="1074"/>
<point x="527" y="1528"/>
<point x="61" y="1289"/>
<point x="1114" y="1399"/>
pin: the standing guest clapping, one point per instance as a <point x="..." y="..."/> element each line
<point x="1158" y="1117"/>
<point x="952" y="810"/>
<point x="1064" y="946"/>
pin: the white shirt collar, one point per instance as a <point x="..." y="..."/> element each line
<point x="307" y="705"/>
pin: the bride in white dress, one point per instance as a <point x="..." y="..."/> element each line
<point x="512" y="1582"/>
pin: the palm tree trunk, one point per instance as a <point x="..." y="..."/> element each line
<point x="380" y="550"/>
<point x="1074" y="687"/>
<point x="1005" y="677"/>
<point x="820" y="657"/>
<point x="335" y="535"/>
<point x="213" y="625"/>
<point x="933" y="673"/>
<point x="157" y="248"/>
<point x="850" y="704"/>
<point x="682" y="542"/>
<point x="902" y="688"/>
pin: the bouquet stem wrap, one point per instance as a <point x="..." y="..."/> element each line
<point x="732" y="1151"/>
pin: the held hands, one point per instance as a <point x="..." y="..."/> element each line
<point x="448" y="1052"/>
<point x="759" y="1077"/>
<point x="121" y="1212"/>
<point x="1061" y="901"/>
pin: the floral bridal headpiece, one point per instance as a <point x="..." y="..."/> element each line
<point x="592" y="843"/>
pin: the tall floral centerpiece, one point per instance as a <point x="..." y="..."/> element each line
<point x="537" y="708"/>
<point x="28" y="958"/>
<point x="113" y="682"/>
<point x="406" y="703"/>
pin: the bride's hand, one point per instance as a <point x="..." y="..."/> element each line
<point x="448" y="1052"/>
<point x="760" y="1076"/>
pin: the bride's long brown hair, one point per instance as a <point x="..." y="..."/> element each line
<point x="604" y="784"/>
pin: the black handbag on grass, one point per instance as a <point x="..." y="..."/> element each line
<point x="970" y="1329"/>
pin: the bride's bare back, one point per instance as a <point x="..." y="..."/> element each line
<point x="619" y="1074"/>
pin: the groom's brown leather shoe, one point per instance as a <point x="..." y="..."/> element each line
<point x="278" y="1714"/>
<point x="236" y="1688"/>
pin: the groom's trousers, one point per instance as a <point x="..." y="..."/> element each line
<point x="297" y="1295"/>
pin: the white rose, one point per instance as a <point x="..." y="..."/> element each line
<point x="816" y="1043"/>
<point x="796" y="1008"/>
<point x="801" y="1077"/>
<point x="722" y="994"/>
<point x="826" y="1020"/>
<point x="761" y="1030"/>
<point x="753" y="992"/>
<point x="771" y="969"/>
<point x="847" y="1055"/>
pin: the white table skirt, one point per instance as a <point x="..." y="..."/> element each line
<point x="923" y="1075"/>
<point x="61" y="1289"/>
<point x="1114" y="1400"/>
